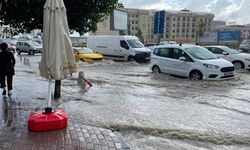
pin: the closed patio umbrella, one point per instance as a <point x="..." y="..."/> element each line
<point x="57" y="57"/>
<point x="57" y="61"/>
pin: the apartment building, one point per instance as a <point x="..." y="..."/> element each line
<point x="139" y="19"/>
<point x="180" y="26"/>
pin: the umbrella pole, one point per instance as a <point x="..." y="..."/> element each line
<point x="49" y="109"/>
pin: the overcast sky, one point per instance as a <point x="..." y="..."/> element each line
<point x="227" y="10"/>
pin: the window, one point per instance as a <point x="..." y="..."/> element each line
<point x="163" y="52"/>
<point x="135" y="43"/>
<point x="177" y="53"/>
<point x="215" y="50"/>
<point x="183" y="18"/>
<point x="124" y="44"/>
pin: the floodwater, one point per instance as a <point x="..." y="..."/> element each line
<point x="158" y="112"/>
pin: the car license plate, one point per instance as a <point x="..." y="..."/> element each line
<point x="228" y="74"/>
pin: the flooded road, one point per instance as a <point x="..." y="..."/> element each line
<point x="160" y="112"/>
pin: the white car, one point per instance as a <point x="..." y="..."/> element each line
<point x="190" y="61"/>
<point x="245" y="45"/>
<point x="240" y="60"/>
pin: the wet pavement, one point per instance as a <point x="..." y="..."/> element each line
<point x="14" y="134"/>
<point x="152" y="112"/>
<point x="30" y="96"/>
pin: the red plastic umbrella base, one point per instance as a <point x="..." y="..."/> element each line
<point x="40" y="121"/>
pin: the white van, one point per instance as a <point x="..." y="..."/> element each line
<point x="190" y="61"/>
<point x="124" y="48"/>
<point x="245" y="44"/>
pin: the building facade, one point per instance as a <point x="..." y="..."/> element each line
<point x="182" y="26"/>
<point x="179" y="26"/>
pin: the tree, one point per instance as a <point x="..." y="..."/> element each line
<point x="83" y="15"/>
<point x="140" y="36"/>
<point x="201" y="29"/>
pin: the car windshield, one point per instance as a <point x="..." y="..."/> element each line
<point x="201" y="53"/>
<point x="35" y="43"/>
<point x="230" y="51"/>
<point x="135" y="43"/>
<point x="85" y="51"/>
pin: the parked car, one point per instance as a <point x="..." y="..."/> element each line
<point x="240" y="60"/>
<point x="245" y="45"/>
<point x="29" y="47"/>
<point x="190" y="61"/>
<point x="86" y="55"/>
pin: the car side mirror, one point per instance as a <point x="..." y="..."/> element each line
<point x="224" y="53"/>
<point x="182" y="58"/>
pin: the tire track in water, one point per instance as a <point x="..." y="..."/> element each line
<point x="223" y="107"/>
<point x="180" y="134"/>
<point x="239" y="99"/>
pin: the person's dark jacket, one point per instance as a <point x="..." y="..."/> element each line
<point x="7" y="63"/>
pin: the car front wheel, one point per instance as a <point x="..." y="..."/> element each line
<point x="238" y="65"/>
<point x="31" y="52"/>
<point x="156" y="70"/>
<point x="195" y="75"/>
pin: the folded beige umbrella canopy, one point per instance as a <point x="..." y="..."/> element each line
<point x="57" y="58"/>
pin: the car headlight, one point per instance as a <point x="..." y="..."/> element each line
<point x="247" y="59"/>
<point x="211" y="66"/>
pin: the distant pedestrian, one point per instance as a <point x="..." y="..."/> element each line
<point x="7" y="64"/>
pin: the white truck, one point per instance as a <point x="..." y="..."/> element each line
<point x="125" y="48"/>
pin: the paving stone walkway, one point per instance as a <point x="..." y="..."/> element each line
<point x="14" y="134"/>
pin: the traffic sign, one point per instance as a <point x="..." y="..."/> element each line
<point x="159" y="18"/>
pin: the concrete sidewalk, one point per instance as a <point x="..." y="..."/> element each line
<point x="14" y="134"/>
